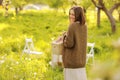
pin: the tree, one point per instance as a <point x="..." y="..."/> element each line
<point x="56" y="4"/>
<point x="103" y="7"/>
<point x="118" y="13"/>
<point x="18" y="4"/>
<point x="6" y="4"/>
<point x="86" y="4"/>
<point x="1" y="2"/>
<point x="98" y="14"/>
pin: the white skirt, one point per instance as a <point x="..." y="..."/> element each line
<point x="75" y="74"/>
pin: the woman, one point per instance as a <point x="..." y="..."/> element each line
<point x="74" y="46"/>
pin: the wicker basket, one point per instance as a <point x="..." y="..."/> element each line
<point x="57" y="53"/>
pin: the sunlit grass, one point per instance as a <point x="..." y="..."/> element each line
<point x="3" y="25"/>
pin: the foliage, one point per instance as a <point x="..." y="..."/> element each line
<point x="86" y="3"/>
<point x="57" y="3"/>
<point x="18" y="3"/>
<point x="110" y="3"/>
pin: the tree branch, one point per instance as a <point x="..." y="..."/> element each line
<point x="115" y="6"/>
<point x="98" y="6"/>
<point x="1" y="2"/>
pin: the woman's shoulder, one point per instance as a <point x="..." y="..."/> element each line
<point x="75" y="23"/>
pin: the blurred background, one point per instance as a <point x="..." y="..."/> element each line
<point x="44" y="21"/>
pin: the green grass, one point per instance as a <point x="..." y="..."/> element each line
<point x="43" y="27"/>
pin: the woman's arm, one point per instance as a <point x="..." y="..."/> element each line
<point x="68" y="38"/>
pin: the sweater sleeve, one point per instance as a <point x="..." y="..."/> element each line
<point x="68" y="39"/>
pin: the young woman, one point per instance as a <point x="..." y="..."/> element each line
<point x="74" y="46"/>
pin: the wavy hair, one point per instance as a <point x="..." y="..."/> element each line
<point x="79" y="14"/>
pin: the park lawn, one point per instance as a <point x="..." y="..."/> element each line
<point x="43" y="27"/>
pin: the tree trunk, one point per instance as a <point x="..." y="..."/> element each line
<point x="16" y="10"/>
<point x="98" y="15"/>
<point x="111" y="19"/>
<point x="20" y="8"/>
<point x="115" y="6"/>
<point x="85" y="11"/>
<point x="98" y="18"/>
<point x="6" y="9"/>
<point x="1" y="2"/>
<point x="108" y="13"/>
<point x="119" y="15"/>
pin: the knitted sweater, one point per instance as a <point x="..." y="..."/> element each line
<point x="74" y="46"/>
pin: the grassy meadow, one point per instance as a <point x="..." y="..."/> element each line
<point x="43" y="27"/>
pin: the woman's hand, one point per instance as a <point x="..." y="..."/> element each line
<point x="60" y="39"/>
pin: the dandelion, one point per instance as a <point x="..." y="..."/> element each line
<point x="17" y="62"/>
<point x="2" y="61"/>
<point x="35" y="73"/>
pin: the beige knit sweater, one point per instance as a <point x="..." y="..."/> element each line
<point x="74" y="46"/>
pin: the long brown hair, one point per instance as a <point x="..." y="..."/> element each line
<point x="79" y="14"/>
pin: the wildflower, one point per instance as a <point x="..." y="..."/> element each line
<point x="2" y="61"/>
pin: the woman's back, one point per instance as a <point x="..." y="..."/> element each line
<point x="75" y="57"/>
